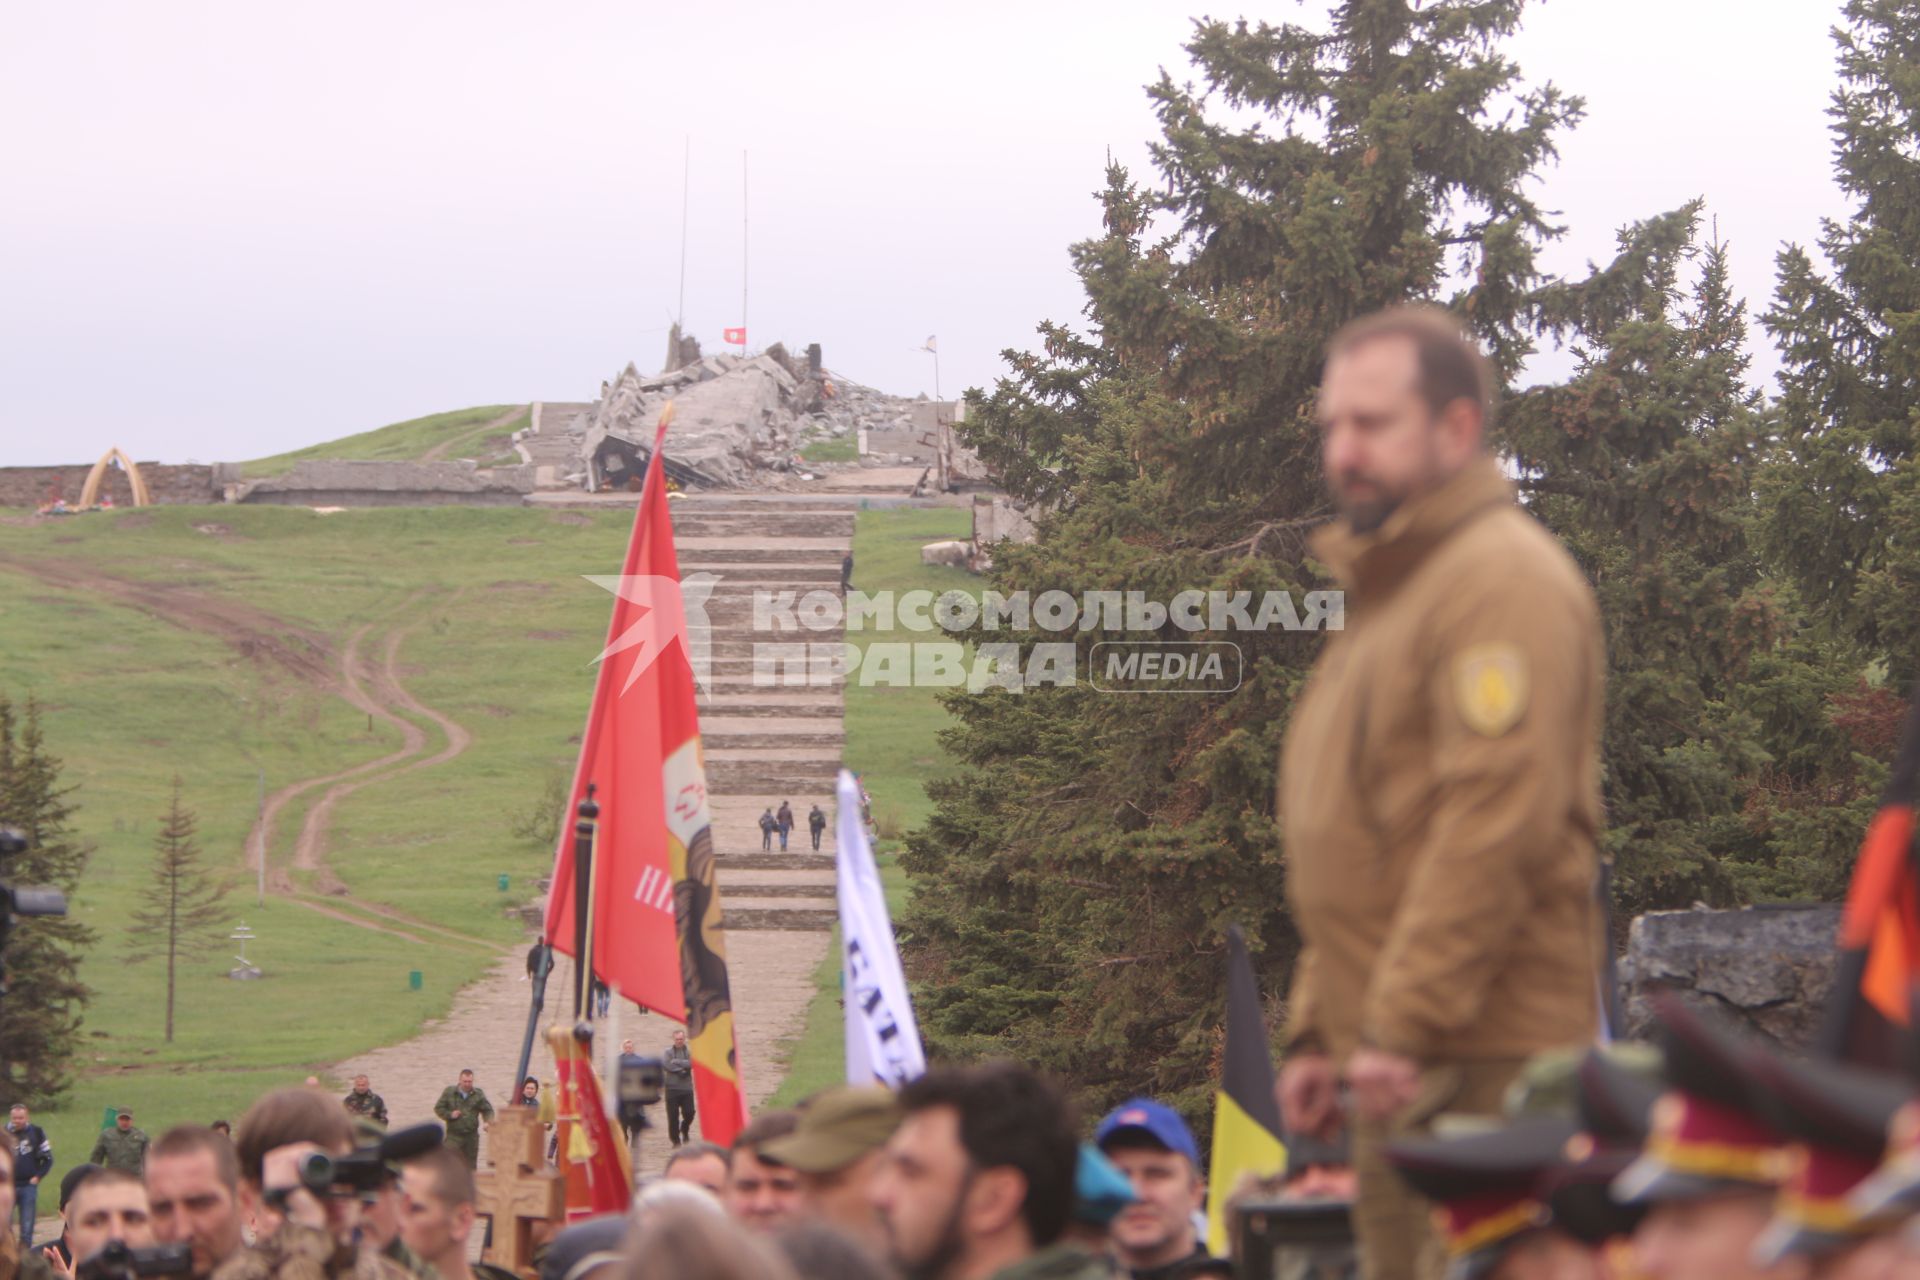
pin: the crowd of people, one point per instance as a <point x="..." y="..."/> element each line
<point x="1707" y="1156"/>
<point x="972" y="1171"/>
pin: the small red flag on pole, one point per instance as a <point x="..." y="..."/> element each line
<point x="590" y="1152"/>
<point x="735" y="337"/>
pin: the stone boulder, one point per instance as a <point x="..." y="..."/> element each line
<point x="1765" y="968"/>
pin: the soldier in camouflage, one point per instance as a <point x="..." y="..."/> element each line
<point x="461" y="1108"/>
<point x="121" y="1147"/>
<point x="363" y="1101"/>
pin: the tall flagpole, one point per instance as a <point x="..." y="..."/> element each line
<point x="743" y="249"/>
<point x="686" y="180"/>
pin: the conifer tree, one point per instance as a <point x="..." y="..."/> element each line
<point x="182" y="916"/>
<point x="1074" y="885"/>
<point x="40" y="1014"/>
<point x="1842" y="492"/>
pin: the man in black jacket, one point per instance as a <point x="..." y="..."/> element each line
<point x="32" y="1161"/>
<point x="678" y="1061"/>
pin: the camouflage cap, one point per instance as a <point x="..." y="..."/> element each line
<point x="837" y="1127"/>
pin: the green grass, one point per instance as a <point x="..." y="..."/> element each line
<point x="892" y="743"/>
<point x="817" y="1058"/>
<point x="844" y="449"/>
<point x="497" y="631"/>
<point x="892" y="731"/>
<point x="399" y="442"/>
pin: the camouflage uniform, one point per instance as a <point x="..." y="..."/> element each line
<point x="299" y="1252"/>
<point x="463" y="1134"/>
<point x="409" y="1261"/>
<point x="117" y="1150"/>
<point x="368" y="1104"/>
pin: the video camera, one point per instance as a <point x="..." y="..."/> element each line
<point x="117" y="1260"/>
<point x="1277" y="1239"/>
<point x="363" y="1171"/>
<point x="22" y="902"/>
<point x="637" y="1084"/>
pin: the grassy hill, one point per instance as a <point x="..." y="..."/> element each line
<point x="475" y="432"/>
<point x="230" y="675"/>
<point x="210" y="642"/>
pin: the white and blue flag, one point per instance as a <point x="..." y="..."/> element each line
<point x="883" y="1041"/>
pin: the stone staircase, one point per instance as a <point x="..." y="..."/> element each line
<point x="767" y="743"/>
<point x="546" y="443"/>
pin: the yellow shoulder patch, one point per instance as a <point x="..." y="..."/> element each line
<point x="1490" y="687"/>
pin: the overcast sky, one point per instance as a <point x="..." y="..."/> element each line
<point x="233" y="228"/>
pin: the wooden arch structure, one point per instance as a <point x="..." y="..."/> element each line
<point x="90" y="491"/>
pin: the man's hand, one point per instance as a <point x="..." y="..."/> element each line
<point x="454" y="1114"/>
<point x="280" y="1171"/>
<point x="1382" y="1083"/>
<point x="1309" y="1102"/>
<point x="34" y="1181"/>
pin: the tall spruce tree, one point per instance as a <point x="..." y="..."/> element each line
<point x="40" y="1014"/>
<point x="182" y="916"/>
<point x="1075" y="882"/>
<point x="1842" y="493"/>
<point x="1643" y="463"/>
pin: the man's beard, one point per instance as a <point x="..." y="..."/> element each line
<point x="947" y="1250"/>
<point x="1367" y="517"/>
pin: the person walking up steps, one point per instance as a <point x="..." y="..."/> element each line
<point x="785" y="819"/>
<point x="816" y="825"/>
<point x="767" y="827"/>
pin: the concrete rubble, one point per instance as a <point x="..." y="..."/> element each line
<point x="742" y="422"/>
<point x="1767" y="969"/>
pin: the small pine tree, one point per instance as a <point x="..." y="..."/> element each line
<point x="40" y="1015"/>
<point x="183" y="916"/>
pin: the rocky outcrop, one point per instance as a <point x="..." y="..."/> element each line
<point x="1765" y="968"/>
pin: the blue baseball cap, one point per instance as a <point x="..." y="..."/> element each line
<point x="1155" y="1119"/>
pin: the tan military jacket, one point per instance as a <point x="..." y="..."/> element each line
<point x="299" y="1252"/>
<point x="1440" y="788"/>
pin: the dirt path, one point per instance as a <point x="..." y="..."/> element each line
<point x="387" y="693"/>
<point x="307" y="656"/>
<point x="308" y="846"/>
<point x="480" y="432"/>
<point x="253" y="633"/>
<point x="772" y="979"/>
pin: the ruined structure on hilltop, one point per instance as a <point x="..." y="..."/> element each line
<point x="738" y="420"/>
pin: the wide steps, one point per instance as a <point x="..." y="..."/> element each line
<point x="758" y="860"/>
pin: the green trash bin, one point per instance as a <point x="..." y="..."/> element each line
<point x="415" y="980"/>
<point x="503" y="884"/>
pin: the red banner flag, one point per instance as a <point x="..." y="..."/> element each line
<point x="656" y="923"/>
<point x="592" y="1155"/>
<point x="734" y="337"/>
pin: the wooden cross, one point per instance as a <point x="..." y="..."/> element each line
<point x="524" y="1199"/>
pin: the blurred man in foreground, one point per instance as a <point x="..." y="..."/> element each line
<point x="979" y="1179"/>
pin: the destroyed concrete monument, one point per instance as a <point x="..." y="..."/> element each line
<point x="732" y="416"/>
<point x="741" y="421"/>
